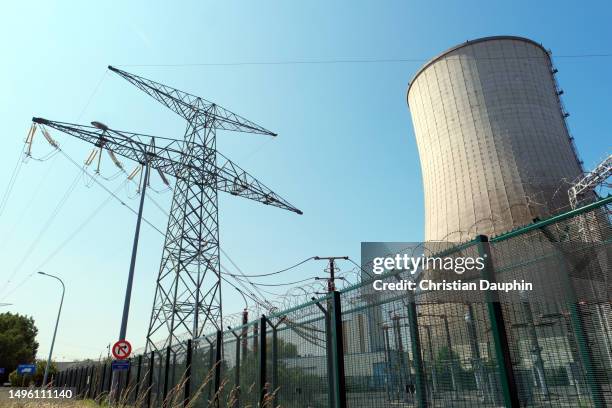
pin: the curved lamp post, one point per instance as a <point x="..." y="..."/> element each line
<point x="44" y="383"/>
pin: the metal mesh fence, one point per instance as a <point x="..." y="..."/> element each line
<point x="549" y="347"/>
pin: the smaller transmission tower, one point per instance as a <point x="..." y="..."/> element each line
<point x="590" y="181"/>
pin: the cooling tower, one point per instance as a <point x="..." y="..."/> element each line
<point x="494" y="147"/>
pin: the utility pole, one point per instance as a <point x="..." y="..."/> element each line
<point x="331" y="285"/>
<point x="130" y="282"/>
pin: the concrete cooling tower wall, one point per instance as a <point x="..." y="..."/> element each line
<point x="494" y="147"/>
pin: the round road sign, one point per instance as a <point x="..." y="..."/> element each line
<point x="122" y="349"/>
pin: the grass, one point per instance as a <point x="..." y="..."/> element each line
<point x="50" y="404"/>
<point x="174" y="398"/>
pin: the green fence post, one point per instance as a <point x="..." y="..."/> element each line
<point x="274" y="363"/>
<point x="415" y="340"/>
<point x="84" y="387"/>
<point x="159" y="385"/>
<point x="151" y="368"/>
<point x="138" y="373"/>
<point x="328" y="353"/>
<point x="211" y="362"/>
<point x="498" y="329"/>
<point x="101" y="385"/>
<point x="262" y="361"/>
<point x="274" y="359"/>
<point x="218" y="366"/>
<point x="338" y="351"/>
<point x="188" y="357"/>
<point x="90" y="379"/>
<point x="77" y="381"/>
<point x="239" y="343"/>
<point x="237" y="373"/>
<point x="81" y="382"/>
<point x="166" y="372"/>
<point x="87" y="381"/>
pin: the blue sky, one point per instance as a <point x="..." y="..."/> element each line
<point x="345" y="154"/>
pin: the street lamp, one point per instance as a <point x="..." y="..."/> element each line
<point x="44" y="383"/>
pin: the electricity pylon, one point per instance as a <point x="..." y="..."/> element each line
<point x="188" y="291"/>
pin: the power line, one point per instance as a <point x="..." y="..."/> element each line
<point x="255" y="299"/>
<point x="63" y="244"/>
<point x="279" y="272"/>
<point x="245" y="290"/>
<point x="276" y="284"/>
<point x="110" y="192"/>
<point x="240" y="270"/>
<point x="18" y="167"/>
<point x="355" y="61"/>
<point x="44" y="229"/>
<point x="25" y="208"/>
<point x="11" y="183"/>
<point x="95" y="90"/>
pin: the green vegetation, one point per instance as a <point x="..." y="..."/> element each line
<point x="17" y="342"/>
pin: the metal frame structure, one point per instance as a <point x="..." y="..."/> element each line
<point x="590" y="181"/>
<point x="188" y="290"/>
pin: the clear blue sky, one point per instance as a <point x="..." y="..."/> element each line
<point x="345" y="154"/>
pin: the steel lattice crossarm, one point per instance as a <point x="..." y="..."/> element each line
<point x="590" y="181"/>
<point x="169" y="159"/>
<point x="188" y="106"/>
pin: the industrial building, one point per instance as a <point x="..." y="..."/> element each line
<point x="494" y="145"/>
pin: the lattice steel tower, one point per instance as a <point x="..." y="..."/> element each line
<point x="188" y="290"/>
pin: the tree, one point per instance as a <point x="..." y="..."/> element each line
<point x="17" y="342"/>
